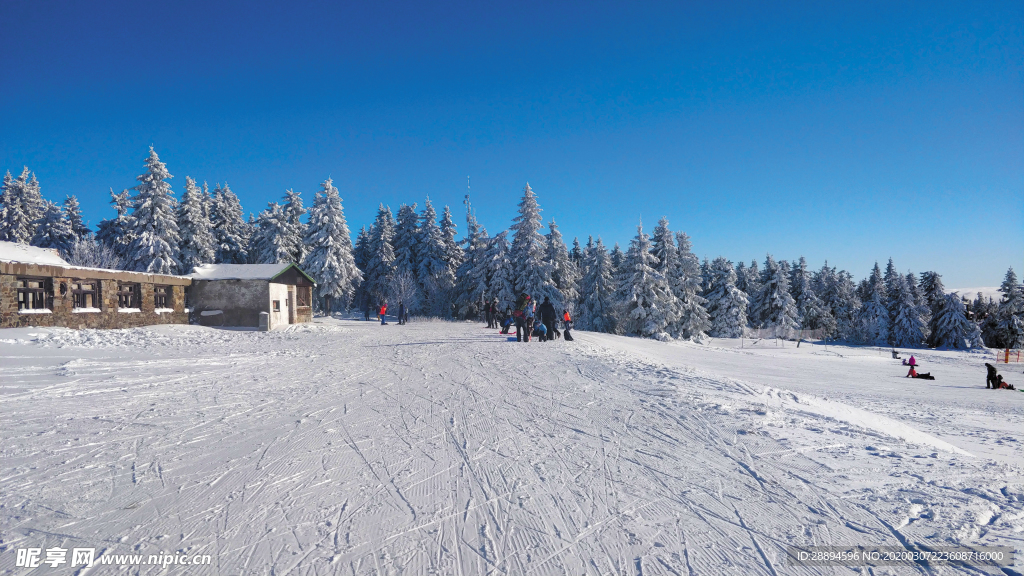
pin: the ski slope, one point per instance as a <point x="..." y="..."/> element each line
<point x="346" y="447"/>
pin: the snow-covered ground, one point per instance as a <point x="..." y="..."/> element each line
<point x="345" y="447"/>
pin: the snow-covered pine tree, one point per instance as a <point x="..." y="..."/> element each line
<point x="380" y="263"/>
<point x="741" y="277"/>
<point x="727" y="304"/>
<point x="74" y="215"/>
<point x="22" y="206"/>
<point x="598" y="309"/>
<point x="874" y="326"/>
<point x="935" y="297"/>
<point x="839" y="294"/>
<point x="154" y="246"/>
<point x="617" y="256"/>
<point x="53" y="230"/>
<point x="329" y="259"/>
<point x="230" y="229"/>
<point x="908" y="326"/>
<point x="116" y="233"/>
<point x="453" y="254"/>
<point x="436" y="279"/>
<point x="892" y="280"/>
<point x="693" y="315"/>
<point x="406" y="244"/>
<point x="648" y="307"/>
<point x="499" y="271"/>
<point x="576" y="254"/>
<point x="194" y="228"/>
<point x="952" y="329"/>
<point x="812" y="312"/>
<point x="773" y="307"/>
<point x="1011" y="312"/>
<point x="705" y="277"/>
<point x="472" y="278"/>
<point x="361" y="256"/>
<point x="270" y="243"/>
<point x="564" y="273"/>
<point x="296" y="230"/>
<point x="528" y="248"/>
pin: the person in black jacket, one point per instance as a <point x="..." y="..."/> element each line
<point x="990" y="379"/>
<point x="547" y="316"/>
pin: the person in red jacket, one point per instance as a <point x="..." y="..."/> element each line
<point x="383" y="311"/>
<point x="567" y="324"/>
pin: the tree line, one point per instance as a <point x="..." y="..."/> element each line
<point x="656" y="288"/>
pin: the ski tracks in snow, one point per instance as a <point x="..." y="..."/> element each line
<point x="433" y="448"/>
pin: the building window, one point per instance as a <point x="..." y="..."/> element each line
<point x="277" y="305"/>
<point x="127" y="295"/>
<point x="303" y="296"/>
<point x="35" y="293"/>
<point x="161" y="296"/>
<point x="83" y="292"/>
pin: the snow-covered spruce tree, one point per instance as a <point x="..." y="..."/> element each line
<point x="576" y="254"/>
<point x="564" y="273"/>
<point x="499" y="271"/>
<point x="116" y="233"/>
<point x="296" y="230"/>
<point x="194" y="228"/>
<point x="839" y="294"/>
<point x="952" y="329"/>
<point x="154" y="246"/>
<point x="453" y="254"/>
<point x="648" y="307"/>
<point x="750" y="282"/>
<point x="436" y="279"/>
<point x="873" y="319"/>
<point x="74" y="215"/>
<point x="230" y="229"/>
<point x="693" y="315"/>
<point x="472" y="279"/>
<point x="617" y="257"/>
<point x="773" y="307"/>
<point x="908" y="326"/>
<point x="891" y="280"/>
<point x="598" y="310"/>
<point x="727" y="304"/>
<point x="935" y="297"/>
<point x="329" y="259"/>
<point x="380" y="262"/>
<point x="361" y="256"/>
<point x="1011" y="312"/>
<point x="405" y="244"/>
<point x="270" y="243"/>
<point x="53" y="230"/>
<point x="91" y="253"/>
<point x="22" y="206"/>
<point x="812" y="312"/>
<point x="705" y="277"/>
<point x="533" y="273"/>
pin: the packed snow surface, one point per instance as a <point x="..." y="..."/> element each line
<point x="345" y="447"/>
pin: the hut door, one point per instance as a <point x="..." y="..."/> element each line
<point x="291" y="304"/>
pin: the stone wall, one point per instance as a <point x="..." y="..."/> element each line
<point x="62" y="311"/>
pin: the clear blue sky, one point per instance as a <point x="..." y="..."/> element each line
<point x="848" y="131"/>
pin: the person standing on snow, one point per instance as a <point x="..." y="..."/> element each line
<point x="567" y="324"/>
<point x="401" y="312"/>
<point x="519" y="317"/>
<point x="547" y="316"/>
<point x="383" y="312"/>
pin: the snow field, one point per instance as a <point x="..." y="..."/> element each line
<point x="345" y="447"/>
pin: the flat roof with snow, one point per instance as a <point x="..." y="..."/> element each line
<point x="14" y="252"/>
<point x="244" y="271"/>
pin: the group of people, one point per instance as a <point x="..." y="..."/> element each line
<point x="912" y="373"/>
<point x="995" y="381"/>
<point x="403" y="312"/>
<point x="530" y="320"/>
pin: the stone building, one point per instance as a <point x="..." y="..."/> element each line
<point x="235" y="294"/>
<point x="39" y="288"/>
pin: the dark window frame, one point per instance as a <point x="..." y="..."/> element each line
<point x="40" y="297"/>
<point x="78" y="293"/>
<point x="303" y="296"/>
<point x="277" y="306"/>
<point x="129" y="295"/>
<point x="162" y="296"/>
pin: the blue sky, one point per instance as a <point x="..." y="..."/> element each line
<point x="852" y="132"/>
